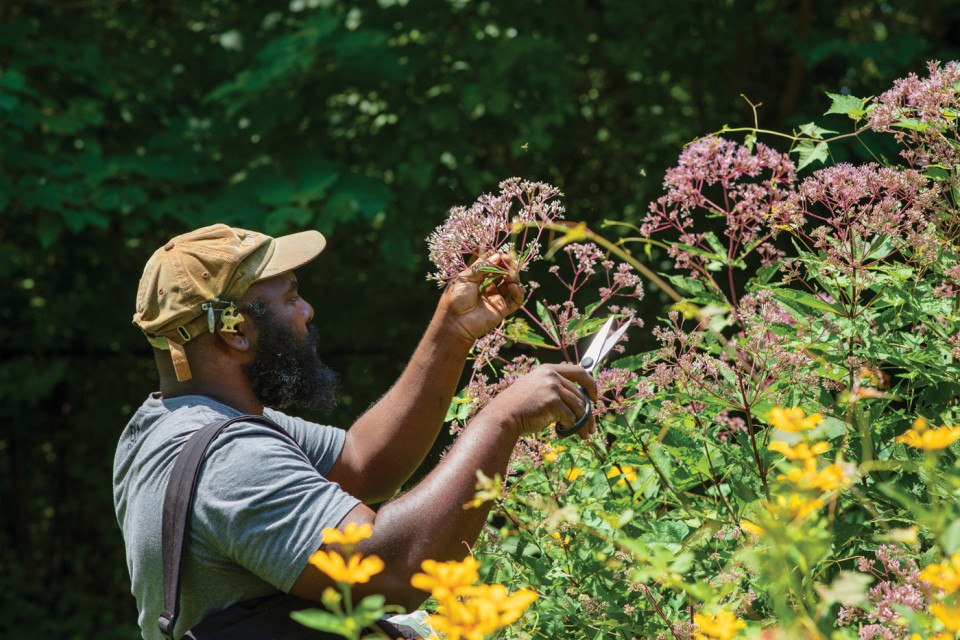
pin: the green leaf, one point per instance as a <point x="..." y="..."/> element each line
<point x="851" y="106"/>
<point x="912" y="124"/>
<point x="322" y="621"/>
<point x="951" y="538"/>
<point x="518" y="330"/>
<point x="937" y="172"/>
<point x="49" y="229"/>
<point x="812" y="130"/>
<point x="793" y="297"/>
<point x="372" y="604"/>
<point x="849" y="588"/>
<point x="810" y="151"/>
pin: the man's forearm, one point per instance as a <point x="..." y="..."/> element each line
<point x="388" y="442"/>
<point x="430" y="521"/>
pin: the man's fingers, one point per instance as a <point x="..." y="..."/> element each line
<point x="512" y="292"/>
<point x="573" y="400"/>
<point x="507" y="264"/>
<point x="588" y="429"/>
<point x="579" y="375"/>
<point x="569" y="408"/>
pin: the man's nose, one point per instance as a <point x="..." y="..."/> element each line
<point x="307" y="310"/>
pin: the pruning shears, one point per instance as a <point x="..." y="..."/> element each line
<point x="603" y="342"/>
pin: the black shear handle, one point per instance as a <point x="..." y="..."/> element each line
<point x="563" y="432"/>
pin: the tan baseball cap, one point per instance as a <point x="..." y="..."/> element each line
<point x="207" y="269"/>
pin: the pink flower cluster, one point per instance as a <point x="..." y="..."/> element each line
<point x="863" y="214"/>
<point x="487" y="226"/>
<point x="899" y="586"/>
<point x="921" y="114"/>
<point x="720" y="178"/>
<point x="751" y="364"/>
<point x="585" y="261"/>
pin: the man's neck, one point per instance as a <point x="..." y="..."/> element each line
<point x="242" y="400"/>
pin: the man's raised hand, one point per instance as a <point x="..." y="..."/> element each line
<point x="483" y="295"/>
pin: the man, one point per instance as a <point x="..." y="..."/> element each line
<point x="231" y="336"/>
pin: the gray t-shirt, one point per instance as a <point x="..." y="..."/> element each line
<point x="262" y="501"/>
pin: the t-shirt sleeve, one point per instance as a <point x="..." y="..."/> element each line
<point x="262" y="504"/>
<point x="321" y="443"/>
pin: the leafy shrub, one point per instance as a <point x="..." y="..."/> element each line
<point x="773" y="469"/>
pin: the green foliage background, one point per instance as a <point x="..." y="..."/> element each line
<point x="123" y="123"/>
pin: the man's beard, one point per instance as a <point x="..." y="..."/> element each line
<point x="286" y="370"/>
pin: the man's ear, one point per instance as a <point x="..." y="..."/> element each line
<point x="230" y="330"/>
<point x="237" y="338"/>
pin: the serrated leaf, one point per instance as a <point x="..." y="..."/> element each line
<point x="851" y="106"/>
<point x="793" y="297"/>
<point x="810" y="151"/>
<point x="812" y="130"/>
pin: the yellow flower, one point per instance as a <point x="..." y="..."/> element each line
<point x="509" y="606"/>
<point x="949" y="616"/>
<point x="468" y="620"/>
<point x="445" y="579"/>
<point x="552" y="453"/>
<point x="802" y="451"/>
<point x="792" y="419"/>
<point x="722" y="626"/>
<point x="921" y="437"/>
<point x="350" y="536"/>
<point x="574" y="473"/>
<point x="353" y="571"/>
<point x="751" y="527"/>
<point x="481" y="610"/>
<point x="796" y="506"/>
<point x="627" y="473"/>
<point x="827" y="479"/>
<point x="943" y="576"/>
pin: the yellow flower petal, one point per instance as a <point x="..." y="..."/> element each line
<point x="350" y="535"/>
<point x="930" y="439"/>
<point x="827" y="479"/>
<point x="750" y="527"/>
<point x="943" y="576"/>
<point x="722" y="626"/>
<point x="553" y="452"/>
<point x="802" y="451"/>
<point x="627" y="474"/>
<point x="445" y="579"/>
<point x="796" y="507"/>
<point x="948" y="616"/>
<point x="357" y="569"/>
<point x="574" y="473"/>
<point x="792" y="419"/>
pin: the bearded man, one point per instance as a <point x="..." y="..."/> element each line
<point x="232" y="336"/>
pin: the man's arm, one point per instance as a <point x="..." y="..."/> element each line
<point x="387" y="443"/>
<point x="429" y="521"/>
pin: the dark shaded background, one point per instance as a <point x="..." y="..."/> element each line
<point x="123" y="123"/>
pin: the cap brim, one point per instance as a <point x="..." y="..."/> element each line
<point x="292" y="252"/>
